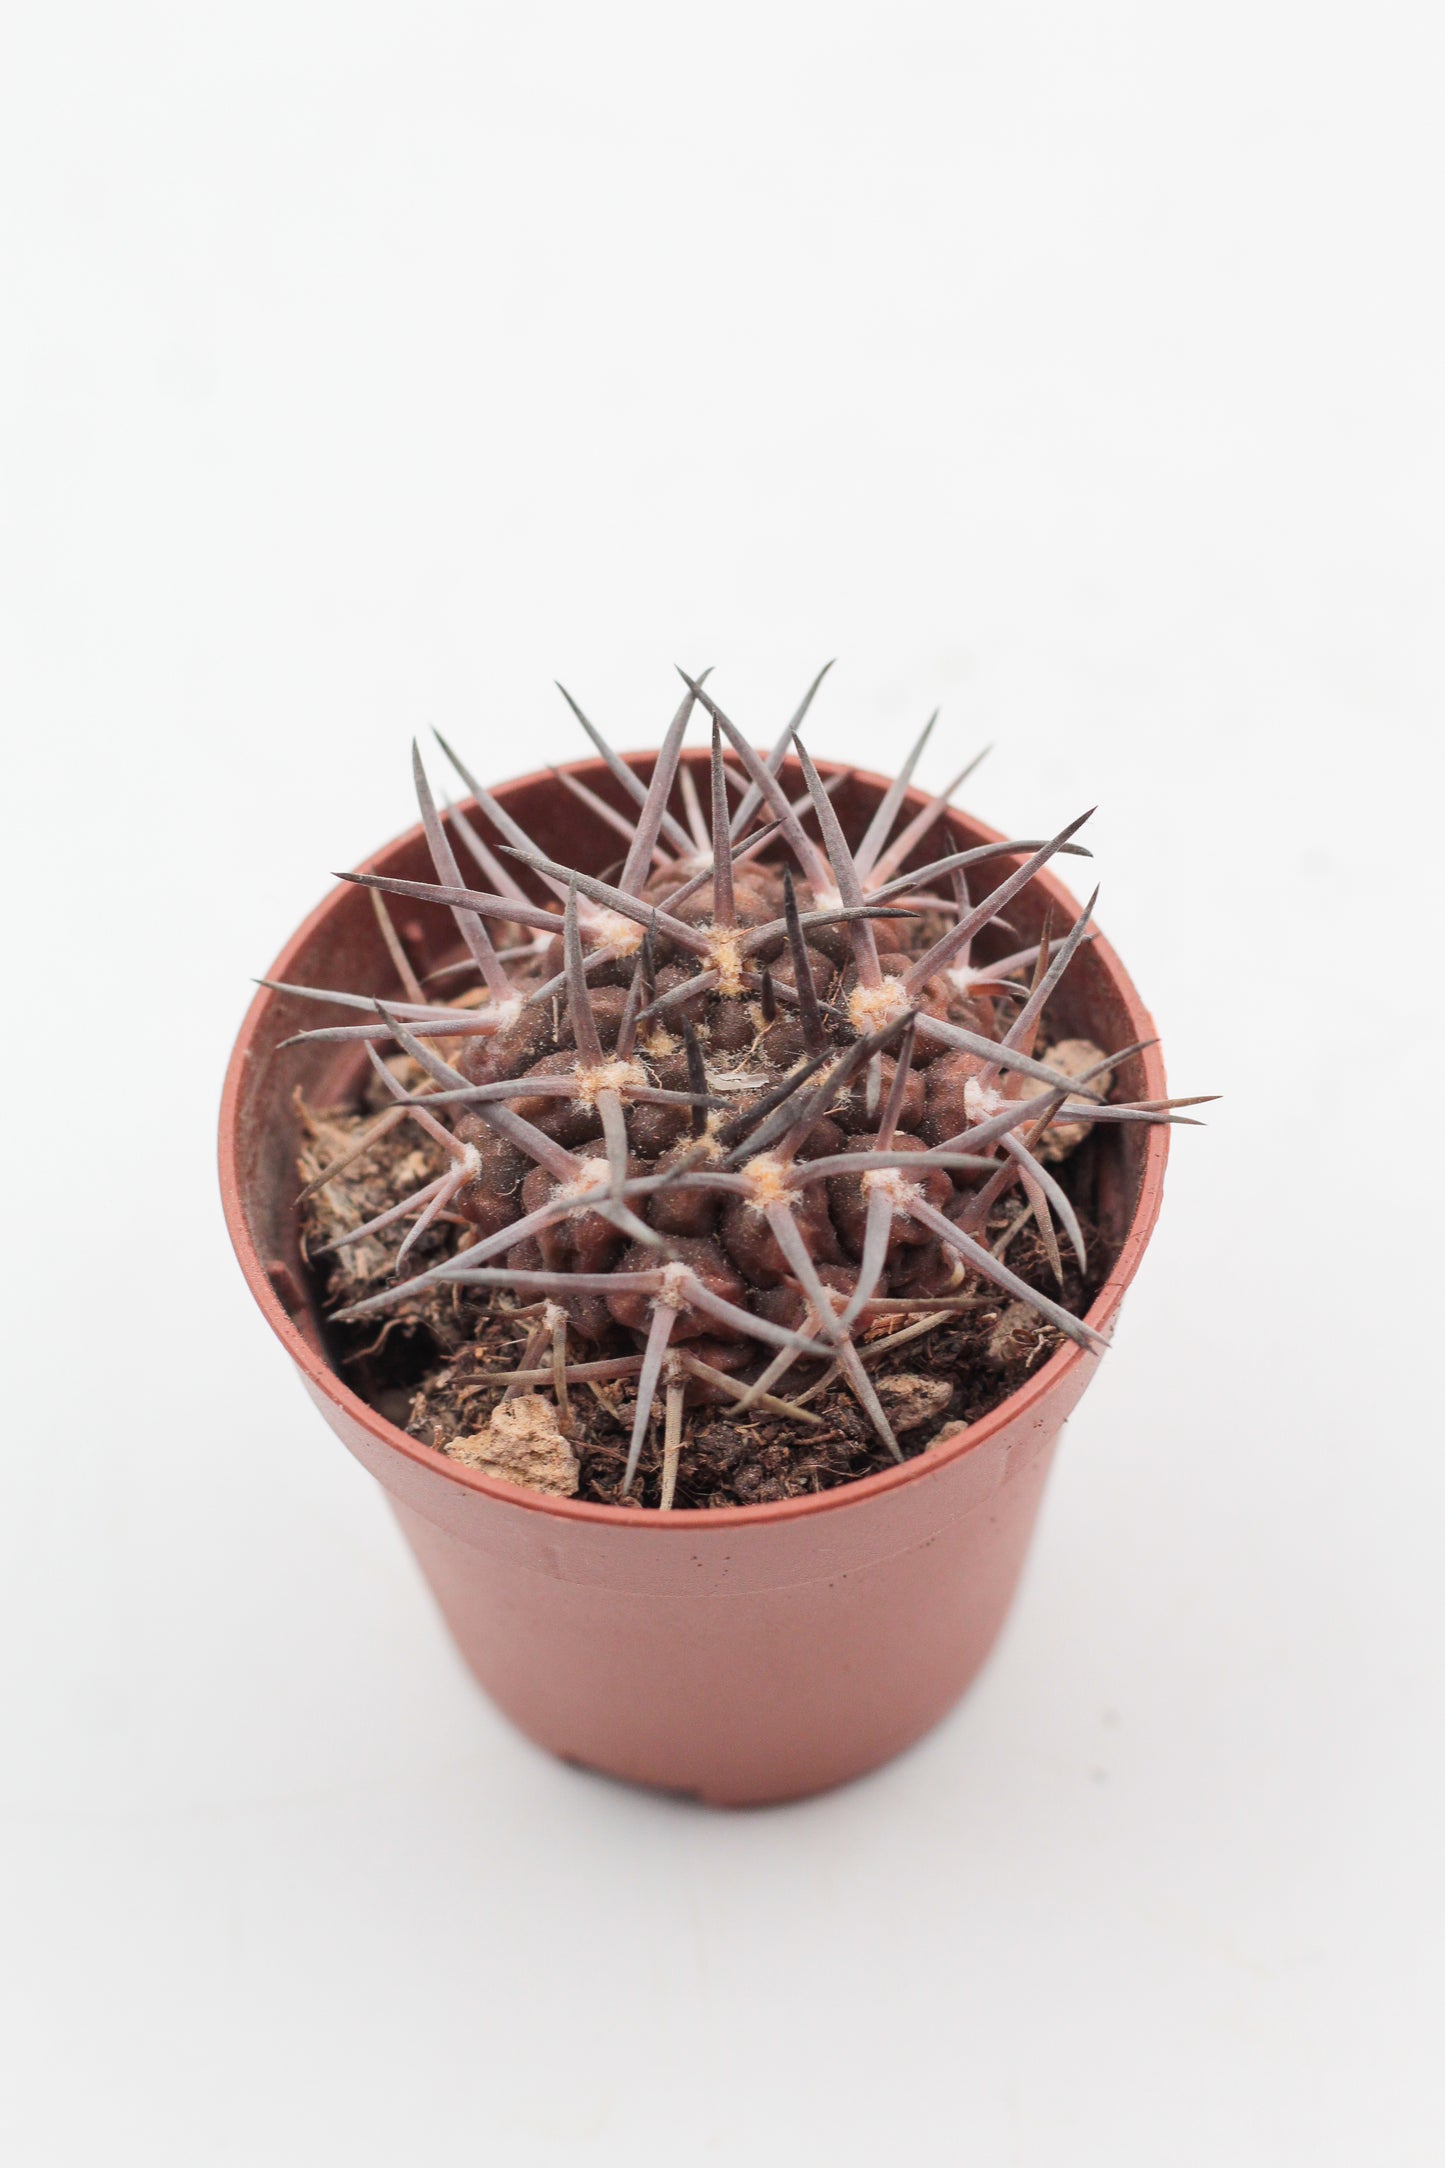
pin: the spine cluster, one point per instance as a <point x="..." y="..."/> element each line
<point x="733" y="1105"/>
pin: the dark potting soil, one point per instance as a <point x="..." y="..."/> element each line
<point x="440" y="1362"/>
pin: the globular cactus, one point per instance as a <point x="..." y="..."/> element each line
<point x="726" y="1110"/>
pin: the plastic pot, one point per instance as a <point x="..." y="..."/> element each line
<point x="744" y="1655"/>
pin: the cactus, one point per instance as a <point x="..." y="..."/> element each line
<point x="726" y="1110"/>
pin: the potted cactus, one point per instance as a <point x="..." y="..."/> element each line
<point x="711" y="1203"/>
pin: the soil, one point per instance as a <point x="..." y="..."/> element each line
<point x="439" y="1364"/>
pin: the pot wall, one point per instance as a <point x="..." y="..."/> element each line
<point x="745" y="1663"/>
<point x="746" y="1655"/>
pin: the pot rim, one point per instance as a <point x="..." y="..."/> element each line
<point x="686" y="1520"/>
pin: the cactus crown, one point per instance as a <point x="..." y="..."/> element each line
<point x="721" y="1114"/>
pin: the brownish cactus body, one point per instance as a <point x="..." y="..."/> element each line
<point x="757" y="1087"/>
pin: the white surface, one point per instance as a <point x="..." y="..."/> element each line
<point x="1077" y="366"/>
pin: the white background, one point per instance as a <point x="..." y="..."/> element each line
<point x="1078" y="366"/>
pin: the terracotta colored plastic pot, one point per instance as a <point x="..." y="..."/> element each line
<point x="745" y="1655"/>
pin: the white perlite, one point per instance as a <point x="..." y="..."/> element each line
<point x="522" y="1444"/>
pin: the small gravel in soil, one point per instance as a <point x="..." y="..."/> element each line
<point x="432" y="1365"/>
